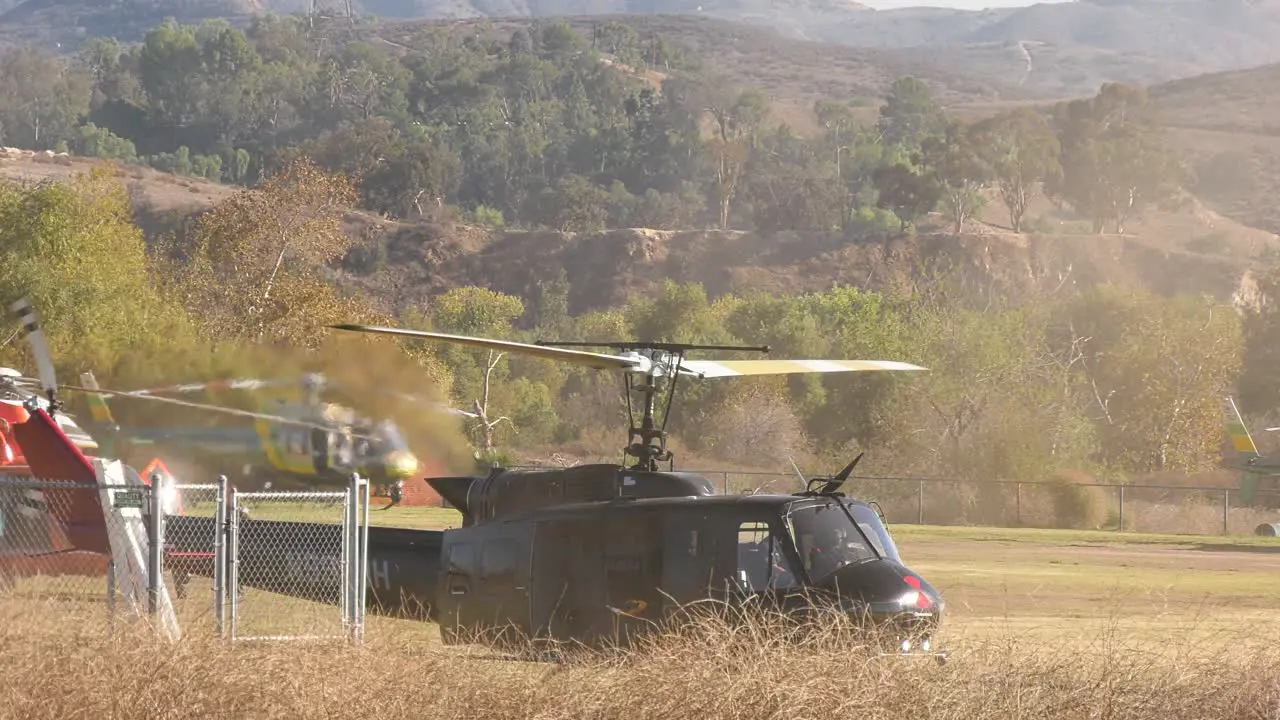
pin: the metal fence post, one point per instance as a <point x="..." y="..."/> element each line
<point x="725" y="477"/>
<point x="1017" y="506"/>
<point x="1226" y="510"/>
<point x="155" y="545"/>
<point x="920" y="502"/>
<point x="233" y="563"/>
<point x="220" y="558"/>
<point x="1121" y="511"/>
<point x="363" y="581"/>
<point x="111" y="597"/>
<point x="349" y="539"/>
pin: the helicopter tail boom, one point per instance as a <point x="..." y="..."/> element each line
<point x="98" y="408"/>
<point x="1247" y="458"/>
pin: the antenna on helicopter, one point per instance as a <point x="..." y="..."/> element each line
<point x="651" y="361"/>
<point x="831" y="485"/>
<point x="803" y="482"/>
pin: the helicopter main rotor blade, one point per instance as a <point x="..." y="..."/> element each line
<point x="201" y="406"/>
<point x="577" y="357"/>
<point x="735" y="368"/>
<point x="258" y="384"/>
<point x="39" y="346"/>
<point x="233" y="384"/>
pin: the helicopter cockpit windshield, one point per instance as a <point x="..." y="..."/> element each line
<point x="830" y="534"/>
<point x="382" y="442"/>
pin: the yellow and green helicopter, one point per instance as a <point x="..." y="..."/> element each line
<point x="309" y="443"/>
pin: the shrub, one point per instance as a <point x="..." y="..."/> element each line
<point x="1076" y="505"/>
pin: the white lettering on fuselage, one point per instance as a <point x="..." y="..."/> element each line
<point x="380" y="574"/>
<point x="307" y="566"/>
<point x="313" y="567"/>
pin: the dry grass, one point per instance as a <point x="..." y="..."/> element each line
<point x="711" y="670"/>
<point x="1040" y="623"/>
<point x="161" y="192"/>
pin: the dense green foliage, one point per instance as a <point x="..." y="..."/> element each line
<point x="545" y="127"/>
<point x="536" y="129"/>
<point x="1110" y="379"/>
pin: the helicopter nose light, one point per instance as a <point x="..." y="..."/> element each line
<point x="402" y="464"/>
<point x="916" y="596"/>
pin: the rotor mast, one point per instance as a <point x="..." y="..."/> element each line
<point x="647" y="440"/>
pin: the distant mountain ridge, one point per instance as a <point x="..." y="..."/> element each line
<point x="1050" y="49"/>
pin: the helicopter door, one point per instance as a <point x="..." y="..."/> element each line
<point x="320" y="450"/>
<point x="686" y="562"/>
<point x="457" y="611"/>
<point x="502" y="595"/>
<point x="549" y="601"/>
<point x="568" y="599"/>
<point x="633" y="573"/>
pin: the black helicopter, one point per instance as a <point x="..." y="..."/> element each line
<point x="597" y="554"/>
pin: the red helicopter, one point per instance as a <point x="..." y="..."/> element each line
<point x="48" y="529"/>
<point x="44" y="529"/>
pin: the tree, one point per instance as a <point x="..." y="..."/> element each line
<point x="407" y="183"/>
<point x="909" y="194"/>
<point x="1114" y="159"/>
<point x="956" y="163"/>
<point x="73" y="250"/>
<point x="729" y="158"/>
<point x="477" y="312"/>
<point x="170" y="67"/>
<point x="1022" y="150"/>
<point x="1258" y="386"/>
<point x="910" y="113"/>
<point x="41" y="99"/>
<point x="256" y="257"/>
<point x="1155" y="371"/>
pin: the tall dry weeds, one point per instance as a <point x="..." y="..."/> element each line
<point x="710" y="670"/>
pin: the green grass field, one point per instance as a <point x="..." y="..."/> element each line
<point x="1067" y="585"/>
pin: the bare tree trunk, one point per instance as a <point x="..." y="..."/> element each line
<point x="482" y="406"/>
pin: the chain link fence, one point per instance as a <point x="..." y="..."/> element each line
<point x="278" y="565"/>
<point x="190" y="554"/>
<point x="1168" y="509"/>
<point x="47" y="551"/>
<point x="1012" y="503"/>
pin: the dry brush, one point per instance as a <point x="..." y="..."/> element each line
<point x="711" y="669"/>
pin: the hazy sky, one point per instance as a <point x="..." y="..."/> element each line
<point x="963" y="4"/>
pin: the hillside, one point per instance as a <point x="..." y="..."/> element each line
<point x="1046" y="49"/>
<point x="1071" y="48"/>
<point x="748" y="56"/>
<point x="1228" y="125"/>
<point x="1192" y="250"/>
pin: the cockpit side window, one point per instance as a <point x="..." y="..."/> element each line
<point x="875" y="530"/>
<point x="762" y="565"/>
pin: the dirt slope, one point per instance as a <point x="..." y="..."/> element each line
<point x="1194" y="252"/>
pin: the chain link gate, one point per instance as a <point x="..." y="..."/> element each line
<point x="291" y="558"/>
